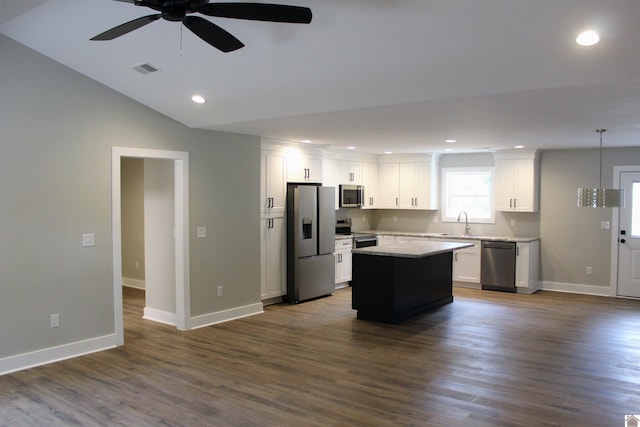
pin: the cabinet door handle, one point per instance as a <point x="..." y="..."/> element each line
<point x="370" y="201"/>
<point x="396" y="201"/>
<point x="271" y="201"/>
<point x="515" y="201"/>
<point x="455" y="256"/>
<point x="517" y="250"/>
<point x="416" y="201"/>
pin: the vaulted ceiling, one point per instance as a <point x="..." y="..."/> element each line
<point x="380" y="75"/>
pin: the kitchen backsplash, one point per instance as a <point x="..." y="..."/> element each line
<point x="507" y="224"/>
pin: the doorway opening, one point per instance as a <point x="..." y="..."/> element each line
<point x="180" y="219"/>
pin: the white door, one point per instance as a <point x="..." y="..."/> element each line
<point x="629" y="236"/>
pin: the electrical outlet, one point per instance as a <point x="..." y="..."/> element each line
<point x="137" y="265"/>
<point x="395" y="218"/>
<point x="55" y="320"/>
<point x="435" y="219"/>
<point x="220" y="291"/>
<point x="513" y="222"/>
<point x="202" y="232"/>
<point x="88" y="240"/>
<point x="605" y="225"/>
<point x="589" y="270"/>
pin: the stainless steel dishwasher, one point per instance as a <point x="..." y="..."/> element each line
<point x="498" y="266"/>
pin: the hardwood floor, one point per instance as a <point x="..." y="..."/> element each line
<point x="488" y="359"/>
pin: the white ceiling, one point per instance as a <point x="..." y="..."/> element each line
<point x="397" y="75"/>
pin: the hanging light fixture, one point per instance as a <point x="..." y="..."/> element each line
<point x="600" y="197"/>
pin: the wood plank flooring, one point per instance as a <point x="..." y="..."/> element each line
<point x="488" y="359"/>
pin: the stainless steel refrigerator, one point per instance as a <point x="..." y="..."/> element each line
<point x="311" y="221"/>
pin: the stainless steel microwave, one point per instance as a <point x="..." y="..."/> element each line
<point x="351" y="196"/>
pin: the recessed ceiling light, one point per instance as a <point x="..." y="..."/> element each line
<point x="388" y="152"/>
<point x="351" y="147"/>
<point x="588" y="38"/>
<point x="450" y="141"/>
<point x="519" y="146"/>
<point x="306" y="141"/>
<point x="198" y="99"/>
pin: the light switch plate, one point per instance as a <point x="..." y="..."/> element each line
<point x="202" y="232"/>
<point x="88" y="240"/>
<point x="605" y="225"/>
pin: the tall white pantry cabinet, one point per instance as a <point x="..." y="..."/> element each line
<point x="272" y="224"/>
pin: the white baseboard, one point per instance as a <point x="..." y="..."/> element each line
<point x="576" y="288"/>
<point x="160" y="316"/>
<point x="226" y="315"/>
<point x="133" y="283"/>
<point x="56" y="354"/>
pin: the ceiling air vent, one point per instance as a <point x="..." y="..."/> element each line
<point x="145" y="68"/>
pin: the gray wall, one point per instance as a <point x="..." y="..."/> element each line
<point x="132" y="218"/>
<point x="57" y="128"/>
<point x="571" y="238"/>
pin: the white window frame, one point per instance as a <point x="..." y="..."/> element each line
<point x="445" y="194"/>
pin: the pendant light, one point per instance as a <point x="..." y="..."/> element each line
<point x="600" y="197"/>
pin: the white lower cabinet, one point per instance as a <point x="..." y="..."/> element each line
<point x="343" y="261"/>
<point x="466" y="263"/>
<point x="272" y="257"/>
<point x="527" y="262"/>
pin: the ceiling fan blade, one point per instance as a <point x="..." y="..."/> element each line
<point x="212" y="34"/>
<point x="127" y="27"/>
<point x="258" y="12"/>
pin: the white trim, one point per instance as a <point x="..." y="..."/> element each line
<point x="159" y="316"/>
<point x="181" y="178"/>
<point x="133" y="283"/>
<point x="577" y="288"/>
<point x="56" y="354"/>
<point x="226" y="315"/>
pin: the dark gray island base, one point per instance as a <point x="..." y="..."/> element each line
<point x="395" y="282"/>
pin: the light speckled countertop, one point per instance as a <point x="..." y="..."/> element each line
<point x="451" y="236"/>
<point x="411" y="250"/>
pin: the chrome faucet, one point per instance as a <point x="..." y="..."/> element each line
<point x="467" y="227"/>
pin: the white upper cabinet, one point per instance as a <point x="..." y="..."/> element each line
<point x="304" y="168"/>
<point x="389" y="185"/>
<point x="409" y="185"/>
<point x="516" y="175"/>
<point x="272" y="182"/>
<point x="370" y="180"/>
<point x="350" y="172"/>
<point x="330" y="175"/>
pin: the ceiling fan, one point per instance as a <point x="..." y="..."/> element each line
<point x="180" y="10"/>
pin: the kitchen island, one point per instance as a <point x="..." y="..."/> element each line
<point x="394" y="282"/>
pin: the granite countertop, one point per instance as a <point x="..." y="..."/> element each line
<point x="411" y="250"/>
<point x="452" y="236"/>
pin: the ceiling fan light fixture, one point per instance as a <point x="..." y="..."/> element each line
<point x="600" y="197"/>
<point x="588" y="38"/>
